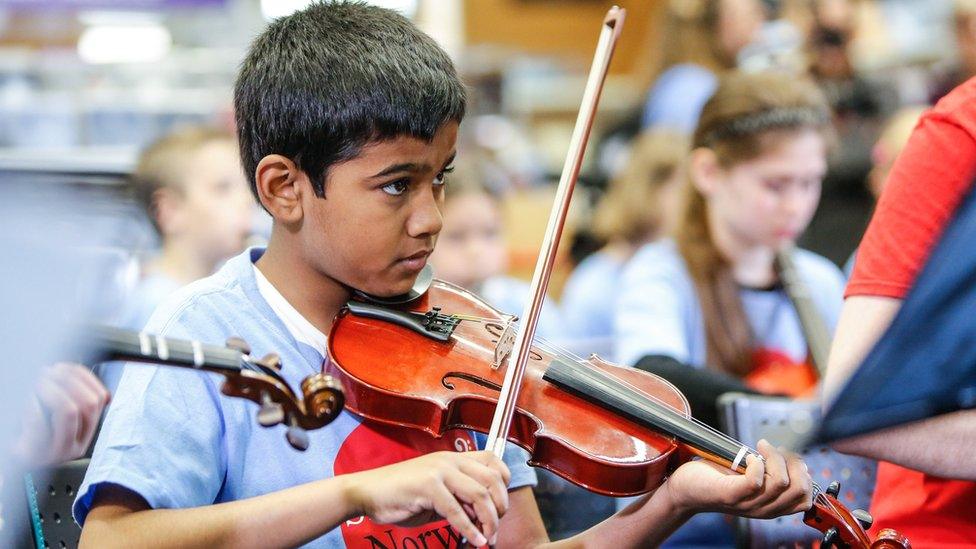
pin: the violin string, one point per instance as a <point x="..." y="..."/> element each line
<point x="580" y="363"/>
<point x="577" y="362"/>
<point x="574" y="361"/>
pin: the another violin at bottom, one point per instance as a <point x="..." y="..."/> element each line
<point x="438" y="363"/>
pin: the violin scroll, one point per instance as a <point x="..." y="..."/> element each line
<point x="321" y="402"/>
<point x="890" y="539"/>
<point x="258" y="380"/>
<point x="323" y="396"/>
<point x="843" y="528"/>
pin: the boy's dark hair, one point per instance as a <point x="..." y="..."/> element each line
<point x="318" y="85"/>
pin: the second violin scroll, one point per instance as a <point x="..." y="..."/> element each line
<point x="257" y="380"/>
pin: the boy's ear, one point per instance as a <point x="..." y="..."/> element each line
<point x="704" y="169"/>
<point x="279" y="186"/>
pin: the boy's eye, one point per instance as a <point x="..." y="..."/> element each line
<point x="396" y="188"/>
<point x="440" y="177"/>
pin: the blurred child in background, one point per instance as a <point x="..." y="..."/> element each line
<point x="636" y="209"/>
<point x="702" y="39"/>
<point x="893" y="139"/>
<point x="193" y="190"/>
<point x="706" y="309"/>
<point x="962" y="66"/>
<point x="471" y="250"/>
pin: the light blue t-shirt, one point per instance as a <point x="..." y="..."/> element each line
<point x="676" y="99"/>
<point x="589" y="296"/>
<point x="139" y="306"/>
<point x="658" y="313"/>
<point x="145" y="297"/>
<point x="173" y="438"/>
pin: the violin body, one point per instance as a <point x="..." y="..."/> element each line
<point x="612" y="430"/>
<point x="395" y="375"/>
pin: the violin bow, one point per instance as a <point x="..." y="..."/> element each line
<point x="505" y="410"/>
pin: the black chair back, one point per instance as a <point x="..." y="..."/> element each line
<point x="54" y="493"/>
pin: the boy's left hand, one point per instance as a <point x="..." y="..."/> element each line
<point x="780" y="487"/>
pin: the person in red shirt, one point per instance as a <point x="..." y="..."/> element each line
<point x="925" y="484"/>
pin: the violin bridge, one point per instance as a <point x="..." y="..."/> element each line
<point x="506" y="342"/>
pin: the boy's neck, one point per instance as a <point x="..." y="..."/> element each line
<point x="180" y="263"/>
<point x="314" y="295"/>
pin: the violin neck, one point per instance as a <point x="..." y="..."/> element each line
<point x="118" y="344"/>
<point x="811" y="322"/>
<point x="627" y="401"/>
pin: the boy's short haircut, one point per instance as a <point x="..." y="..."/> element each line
<point x="320" y="84"/>
<point x="162" y="165"/>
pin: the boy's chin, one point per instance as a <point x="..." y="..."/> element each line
<point x="392" y="287"/>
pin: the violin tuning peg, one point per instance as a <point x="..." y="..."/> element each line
<point x="271" y="413"/>
<point x="829" y="539"/>
<point x="271" y="360"/>
<point x="833" y="489"/>
<point x="864" y="518"/>
<point x="238" y="344"/>
<point x="297" y="437"/>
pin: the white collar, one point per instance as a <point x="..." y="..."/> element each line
<point x="299" y="326"/>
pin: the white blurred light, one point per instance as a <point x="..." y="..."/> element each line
<point x="406" y="7"/>
<point x="142" y="43"/>
<point x="96" y="18"/>
<point x="272" y="9"/>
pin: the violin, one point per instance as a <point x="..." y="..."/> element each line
<point x="440" y="359"/>
<point x="254" y="379"/>
<point x="438" y="364"/>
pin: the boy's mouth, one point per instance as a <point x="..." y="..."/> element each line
<point x="415" y="262"/>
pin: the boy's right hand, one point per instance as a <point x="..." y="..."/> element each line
<point x="462" y="487"/>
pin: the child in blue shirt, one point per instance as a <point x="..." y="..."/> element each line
<point x="347" y="119"/>
<point x="193" y="191"/>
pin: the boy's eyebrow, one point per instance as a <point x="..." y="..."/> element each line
<point x="409" y="167"/>
<point x="402" y="167"/>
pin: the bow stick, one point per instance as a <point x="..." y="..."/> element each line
<point x="502" y="420"/>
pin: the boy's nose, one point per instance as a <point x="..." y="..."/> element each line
<point x="425" y="219"/>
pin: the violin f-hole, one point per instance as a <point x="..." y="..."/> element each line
<point x="469" y="377"/>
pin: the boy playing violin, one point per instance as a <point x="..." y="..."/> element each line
<point x="347" y="118"/>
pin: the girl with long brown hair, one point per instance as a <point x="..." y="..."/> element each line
<point x="705" y="309"/>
